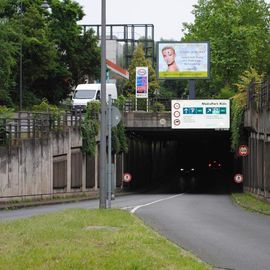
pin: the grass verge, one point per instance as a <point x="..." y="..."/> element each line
<point x="251" y="203"/>
<point x="89" y="239"/>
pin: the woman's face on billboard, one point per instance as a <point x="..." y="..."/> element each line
<point x="168" y="56"/>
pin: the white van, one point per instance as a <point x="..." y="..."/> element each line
<point x="89" y="92"/>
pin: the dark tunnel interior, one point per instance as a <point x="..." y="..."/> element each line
<point x="195" y="161"/>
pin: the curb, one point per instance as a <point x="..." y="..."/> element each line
<point x="19" y="205"/>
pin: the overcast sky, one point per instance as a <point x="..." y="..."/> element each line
<point x="167" y="17"/>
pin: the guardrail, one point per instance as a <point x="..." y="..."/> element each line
<point x="259" y="95"/>
<point x="156" y="104"/>
<point x="26" y="125"/>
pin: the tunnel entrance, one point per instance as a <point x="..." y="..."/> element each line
<point x="180" y="161"/>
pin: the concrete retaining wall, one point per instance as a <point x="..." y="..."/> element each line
<point x="26" y="170"/>
<point x="256" y="166"/>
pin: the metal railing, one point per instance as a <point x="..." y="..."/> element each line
<point x="259" y="95"/>
<point x="26" y="125"/>
<point x="156" y="104"/>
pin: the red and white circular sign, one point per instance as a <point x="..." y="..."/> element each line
<point x="238" y="178"/>
<point x="127" y="177"/>
<point x="243" y="150"/>
<point x="176" y="105"/>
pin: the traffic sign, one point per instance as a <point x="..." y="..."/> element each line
<point x="238" y="178"/>
<point x="177" y="122"/>
<point x="127" y="177"/>
<point x="243" y="150"/>
<point x="200" y="114"/>
<point x="116" y="116"/>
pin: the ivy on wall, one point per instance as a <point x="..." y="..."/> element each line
<point x="237" y="111"/>
<point x="90" y="128"/>
<point x="239" y="103"/>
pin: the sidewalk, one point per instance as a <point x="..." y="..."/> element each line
<point x="49" y="201"/>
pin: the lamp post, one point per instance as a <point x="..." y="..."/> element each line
<point x="21" y="47"/>
<point x="102" y="160"/>
<point x="45" y="6"/>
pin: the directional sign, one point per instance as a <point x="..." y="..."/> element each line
<point x="193" y="110"/>
<point x="200" y="114"/>
<point x="238" y="178"/>
<point x="216" y="110"/>
<point x="243" y="150"/>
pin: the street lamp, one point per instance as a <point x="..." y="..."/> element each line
<point x="102" y="160"/>
<point x="45" y="6"/>
<point x="21" y="43"/>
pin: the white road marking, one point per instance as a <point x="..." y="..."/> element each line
<point x="142" y="205"/>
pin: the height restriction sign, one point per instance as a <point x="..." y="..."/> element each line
<point x="243" y="150"/>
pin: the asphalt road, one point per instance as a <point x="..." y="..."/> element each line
<point x="213" y="228"/>
<point x="210" y="226"/>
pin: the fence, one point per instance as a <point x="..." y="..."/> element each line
<point x="26" y="125"/>
<point x="156" y="104"/>
<point x="259" y="95"/>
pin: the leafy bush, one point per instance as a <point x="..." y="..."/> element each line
<point x="120" y="102"/>
<point x="239" y="103"/>
<point x="90" y="127"/>
<point x="51" y="113"/>
<point x="122" y="138"/>
<point x="5" y="113"/>
<point x="158" y="107"/>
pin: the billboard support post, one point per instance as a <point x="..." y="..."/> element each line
<point x="191" y="89"/>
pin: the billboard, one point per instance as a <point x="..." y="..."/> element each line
<point x="200" y="114"/>
<point x="141" y="82"/>
<point x="183" y="60"/>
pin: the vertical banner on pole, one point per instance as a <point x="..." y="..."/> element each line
<point x="141" y="82"/>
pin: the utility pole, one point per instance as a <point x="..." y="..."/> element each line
<point x="102" y="160"/>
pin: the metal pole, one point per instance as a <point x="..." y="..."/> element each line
<point x="191" y="87"/>
<point x="102" y="160"/>
<point x="109" y="151"/>
<point x="21" y="41"/>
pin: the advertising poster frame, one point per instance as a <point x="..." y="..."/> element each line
<point x="141" y="81"/>
<point x="192" y="60"/>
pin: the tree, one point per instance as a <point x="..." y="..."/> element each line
<point x="55" y="54"/>
<point x="78" y="52"/>
<point x="238" y="32"/>
<point x="139" y="60"/>
<point x="8" y="52"/>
